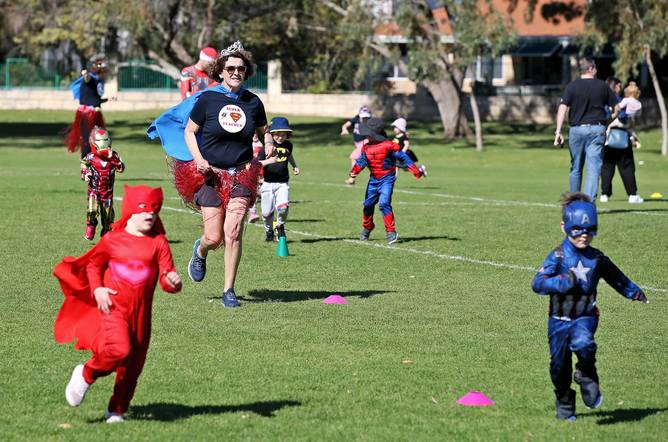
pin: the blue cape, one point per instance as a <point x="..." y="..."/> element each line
<point x="75" y="87"/>
<point x="171" y="125"/>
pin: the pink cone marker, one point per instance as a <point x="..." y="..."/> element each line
<point x="475" y="399"/>
<point x="335" y="299"/>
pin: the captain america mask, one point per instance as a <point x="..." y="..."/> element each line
<point x="579" y="218"/>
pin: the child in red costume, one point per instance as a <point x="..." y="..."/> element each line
<point x="108" y="299"/>
<point x="98" y="169"/>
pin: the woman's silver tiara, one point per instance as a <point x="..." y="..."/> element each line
<point x="235" y="47"/>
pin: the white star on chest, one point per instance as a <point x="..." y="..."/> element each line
<point x="580" y="271"/>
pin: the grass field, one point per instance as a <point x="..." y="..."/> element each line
<point x="447" y="310"/>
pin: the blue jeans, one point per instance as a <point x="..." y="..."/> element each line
<point x="568" y="337"/>
<point x="586" y="146"/>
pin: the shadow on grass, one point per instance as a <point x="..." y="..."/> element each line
<point x="637" y="209"/>
<point x="306" y="220"/>
<point x="304" y="295"/>
<point x="32" y="135"/>
<point x="622" y="415"/>
<point x="403" y="239"/>
<point x="169" y="412"/>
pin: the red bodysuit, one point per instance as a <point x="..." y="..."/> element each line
<point x="131" y="265"/>
<point x="193" y="80"/>
<point x="102" y="171"/>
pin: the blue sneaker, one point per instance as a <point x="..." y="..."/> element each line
<point x="197" y="265"/>
<point x="229" y="299"/>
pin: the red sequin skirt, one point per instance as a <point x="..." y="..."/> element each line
<point x="187" y="181"/>
<point x="88" y="114"/>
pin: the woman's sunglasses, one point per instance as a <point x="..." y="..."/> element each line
<point x="231" y="69"/>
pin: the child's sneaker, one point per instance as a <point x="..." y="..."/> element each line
<point x="76" y="389"/>
<point x="253" y="218"/>
<point x="392" y="237"/>
<point x="566" y="406"/>
<point x="603" y="198"/>
<point x="591" y="395"/>
<point x="197" y="264"/>
<point x="280" y="230"/>
<point x="90" y="232"/>
<point x="364" y="234"/>
<point x="269" y="235"/>
<point x="635" y="199"/>
<point x="423" y="169"/>
<point x="113" y="418"/>
<point x="229" y="299"/>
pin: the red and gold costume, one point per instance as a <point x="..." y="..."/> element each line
<point x="98" y="169"/>
<point x="132" y="265"/>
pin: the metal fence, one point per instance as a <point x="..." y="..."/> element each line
<point x="133" y="75"/>
<point x="20" y="73"/>
<point x="144" y="75"/>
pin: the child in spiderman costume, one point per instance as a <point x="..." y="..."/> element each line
<point x="108" y="299"/>
<point x="381" y="155"/>
<point x="569" y="276"/>
<point x="98" y="169"/>
<point x="88" y="89"/>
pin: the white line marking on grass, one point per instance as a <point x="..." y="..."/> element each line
<point x="409" y="250"/>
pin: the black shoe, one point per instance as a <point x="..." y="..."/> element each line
<point x="591" y="394"/>
<point x="280" y="230"/>
<point x="269" y="235"/>
<point x="566" y="405"/>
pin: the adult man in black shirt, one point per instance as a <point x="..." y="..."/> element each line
<point x="585" y="98"/>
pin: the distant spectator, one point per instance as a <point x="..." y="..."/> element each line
<point x="359" y="140"/>
<point x="623" y="158"/>
<point x="194" y="78"/>
<point x="585" y="98"/>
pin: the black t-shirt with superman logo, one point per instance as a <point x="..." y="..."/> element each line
<point x="278" y="172"/>
<point x="225" y="137"/>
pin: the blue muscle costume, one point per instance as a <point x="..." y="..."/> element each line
<point x="570" y="276"/>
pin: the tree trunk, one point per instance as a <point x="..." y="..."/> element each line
<point x="449" y="105"/>
<point x="476" y="119"/>
<point x="662" y="103"/>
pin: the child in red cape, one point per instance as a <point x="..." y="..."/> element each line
<point x="108" y="299"/>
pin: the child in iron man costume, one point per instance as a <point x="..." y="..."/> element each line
<point x="98" y="169"/>
<point x="109" y="296"/>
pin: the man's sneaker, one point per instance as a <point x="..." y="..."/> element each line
<point x="423" y="169"/>
<point x="90" y="232"/>
<point x="392" y="237"/>
<point x="565" y="406"/>
<point x="230" y="299"/>
<point x="76" y="389"/>
<point x="364" y="234"/>
<point x="635" y="199"/>
<point x="113" y="418"/>
<point x="603" y="198"/>
<point x="269" y="235"/>
<point x="591" y="395"/>
<point x="197" y="265"/>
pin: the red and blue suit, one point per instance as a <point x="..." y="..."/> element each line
<point x="381" y="158"/>
<point x="570" y="276"/>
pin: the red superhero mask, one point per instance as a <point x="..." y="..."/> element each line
<point x="138" y="199"/>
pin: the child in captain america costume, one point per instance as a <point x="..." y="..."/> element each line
<point x="108" y="299"/>
<point x="380" y="155"/>
<point x="98" y="169"/>
<point x="570" y="276"/>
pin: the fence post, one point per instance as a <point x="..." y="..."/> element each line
<point x="7" y="76"/>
